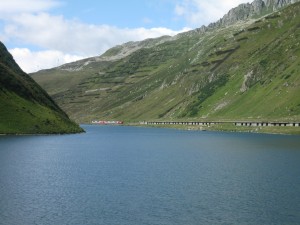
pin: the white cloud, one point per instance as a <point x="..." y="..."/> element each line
<point x="31" y="61"/>
<point x="21" y="6"/>
<point x="203" y="12"/>
<point x="72" y="36"/>
<point x="58" y="40"/>
<point x="66" y="39"/>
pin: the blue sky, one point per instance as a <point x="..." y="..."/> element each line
<point x="131" y="14"/>
<point x="43" y="34"/>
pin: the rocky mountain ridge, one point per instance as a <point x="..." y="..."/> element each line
<point x="240" y="13"/>
<point x="250" y="10"/>
<point x="116" y="53"/>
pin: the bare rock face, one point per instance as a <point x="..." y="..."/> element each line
<point x="277" y="4"/>
<point x="257" y="7"/>
<point x="247" y="11"/>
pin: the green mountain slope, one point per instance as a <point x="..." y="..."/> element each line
<point x="245" y="71"/>
<point x="25" y="108"/>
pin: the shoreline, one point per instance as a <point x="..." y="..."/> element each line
<point x="213" y="128"/>
<point x="229" y="128"/>
<point x="41" y="134"/>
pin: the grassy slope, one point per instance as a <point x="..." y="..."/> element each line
<point x="196" y="76"/>
<point x="20" y="116"/>
<point x="272" y="57"/>
<point x="25" y="107"/>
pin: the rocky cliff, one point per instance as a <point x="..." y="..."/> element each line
<point x="251" y="10"/>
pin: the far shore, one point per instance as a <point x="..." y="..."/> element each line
<point x="228" y="128"/>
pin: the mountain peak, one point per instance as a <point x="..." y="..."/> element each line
<point x="251" y="10"/>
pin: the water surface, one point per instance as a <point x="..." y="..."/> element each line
<point x="135" y="176"/>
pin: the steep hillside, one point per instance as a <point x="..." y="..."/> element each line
<point x="25" y="108"/>
<point x="243" y="71"/>
<point x="251" y="10"/>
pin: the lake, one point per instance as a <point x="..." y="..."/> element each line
<point x="118" y="175"/>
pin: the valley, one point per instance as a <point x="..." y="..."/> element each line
<point x="244" y="71"/>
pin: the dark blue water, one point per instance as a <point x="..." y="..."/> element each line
<point x="137" y="176"/>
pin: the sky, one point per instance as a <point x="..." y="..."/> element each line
<point x="43" y="34"/>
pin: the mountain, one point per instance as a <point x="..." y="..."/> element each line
<point x="25" y="107"/>
<point x="245" y="68"/>
<point x="251" y="10"/>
